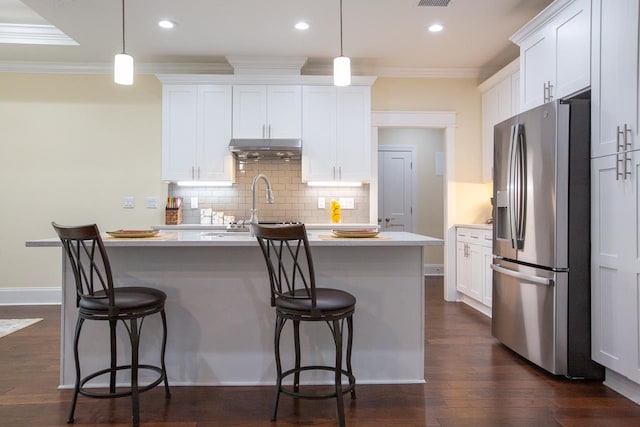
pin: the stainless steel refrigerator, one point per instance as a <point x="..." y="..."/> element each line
<point x="541" y="285"/>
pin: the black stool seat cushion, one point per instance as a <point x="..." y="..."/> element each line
<point x="327" y="300"/>
<point x="126" y="299"/>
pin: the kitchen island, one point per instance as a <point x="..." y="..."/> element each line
<point x="220" y="323"/>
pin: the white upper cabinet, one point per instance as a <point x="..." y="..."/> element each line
<point x="500" y="100"/>
<point x="267" y="111"/>
<point x="336" y="133"/>
<point x="196" y="129"/>
<point x="614" y="90"/>
<point x="555" y="54"/>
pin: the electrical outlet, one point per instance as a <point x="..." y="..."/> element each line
<point x="321" y="203"/>
<point x="128" y="202"/>
<point x="346" y="202"/>
<point x="194" y="203"/>
<point x="152" y="203"/>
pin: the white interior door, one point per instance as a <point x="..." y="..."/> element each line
<point x="395" y="196"/>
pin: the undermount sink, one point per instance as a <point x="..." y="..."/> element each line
<point x="223" y="233"/>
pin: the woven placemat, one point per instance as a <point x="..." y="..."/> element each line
<point x="162" y="236"/>
<point x="331" y="237"/>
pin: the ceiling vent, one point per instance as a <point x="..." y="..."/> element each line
<point x="434" y="3"/>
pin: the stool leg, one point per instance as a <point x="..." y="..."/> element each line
<point x="114" y="355"/>
<point x="337" y="337"/>
<point x="296" y="339"/>
<point x="352" y="380"/>
<point x="135" y="403"/>
<point x="76" y="359"/>
<point x="167" y="392"/>
<point x="278" y="330"/>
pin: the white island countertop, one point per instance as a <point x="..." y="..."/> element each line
<point x="192" y="238"/>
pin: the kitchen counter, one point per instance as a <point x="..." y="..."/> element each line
<point x="220" y="323"/>
<point x="194" y="238"/>
<point x="478" y="226"/>
<point x="183" y="227"/>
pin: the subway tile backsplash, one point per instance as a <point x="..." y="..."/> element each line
<point x="294" y="200"/>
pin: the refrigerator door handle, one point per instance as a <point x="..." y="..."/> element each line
<point x="521" y="185"/>
<point x="518" y="275"/>
<point x="511" y="182"/>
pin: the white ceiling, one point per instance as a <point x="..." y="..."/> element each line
<point x="382" y="37"/>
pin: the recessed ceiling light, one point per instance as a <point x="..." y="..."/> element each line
<point x="302" y="26"/>
<point x="435" y="28"/>
<point x="166" y="24"/>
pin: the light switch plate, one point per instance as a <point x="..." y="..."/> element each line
<point x="128" y="202"/>
<point x="152" y="203"/>
<point x="346" y="202"/>
<point x="194" y="203"/>
<point x="321" y="204"/>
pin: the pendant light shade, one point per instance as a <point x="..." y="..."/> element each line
<point x="123" y="69"/>
<point x="123" y="63"/>
<point x="341" y="64"/>
<point x="341" y="71"/>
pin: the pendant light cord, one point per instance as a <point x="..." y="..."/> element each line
<point x="340" y="27"/>
<point x="123" y="49"/>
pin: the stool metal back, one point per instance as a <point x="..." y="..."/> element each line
<point x="98" y="299"/>
<point x="295" y="296"/>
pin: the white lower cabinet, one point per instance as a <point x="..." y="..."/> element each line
<point x="473" y="266"/>
<point x="615" y="263"/>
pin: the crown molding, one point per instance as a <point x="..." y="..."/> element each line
<point x="266" y="65"/>
<point x="508" y="70"/>
<point x="406" y="72"/>
<point x="34" y="34"/>
<point x="258" y="79"/>
<point x="310" y="72"/>
<point x="539" y="21"/>
<point x="107" y="68"/>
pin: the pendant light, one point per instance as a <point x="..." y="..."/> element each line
<point x="341" y="64"/>
<point x="123" y="64"/>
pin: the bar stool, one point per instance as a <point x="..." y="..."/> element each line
<point x="98" y="299"/>
<point x="296" y="298"/>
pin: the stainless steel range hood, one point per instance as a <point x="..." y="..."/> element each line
<point x="284" y="149"/>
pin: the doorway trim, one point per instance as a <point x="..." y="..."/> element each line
<point x="414" y="181"/>
<point x="423" y="119"/>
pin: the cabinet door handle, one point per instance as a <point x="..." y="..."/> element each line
<point x="269" y="135"/>
<point x="550" y="87"/>
<point x="198" y="173"/>
<point x="263" y="134"/>
<point x="340" y="173"/>
<point x="627" y="140"/>
<point x="333" y="173"/>
<point x="619" y="147"/>
<point x="627" y="161"/>
<point x="618" y="173"/>
<point x="193" y="172"/>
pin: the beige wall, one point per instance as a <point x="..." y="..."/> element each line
<point x="459" y="95"/>
<point x="429" y="191"/>
<point x="71" y="147"/>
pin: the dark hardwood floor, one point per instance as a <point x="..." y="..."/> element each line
<point x="471" y="381"/>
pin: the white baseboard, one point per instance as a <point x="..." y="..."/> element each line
<point x="622" y="385"/>
<point x="434" y="270"/>
<point x="475" y="304"/>
<point x="31" y="296"/>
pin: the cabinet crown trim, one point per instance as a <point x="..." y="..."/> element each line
<point x="197" y="79"/>
<point x="509" y="69"/>
<point x="540" y="20"/>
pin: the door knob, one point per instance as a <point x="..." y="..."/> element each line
<point x="379" y="220"/>
<point x="387" y="219"/>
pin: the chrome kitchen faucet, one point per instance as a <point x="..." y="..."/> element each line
<point x="254" y="213"/>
